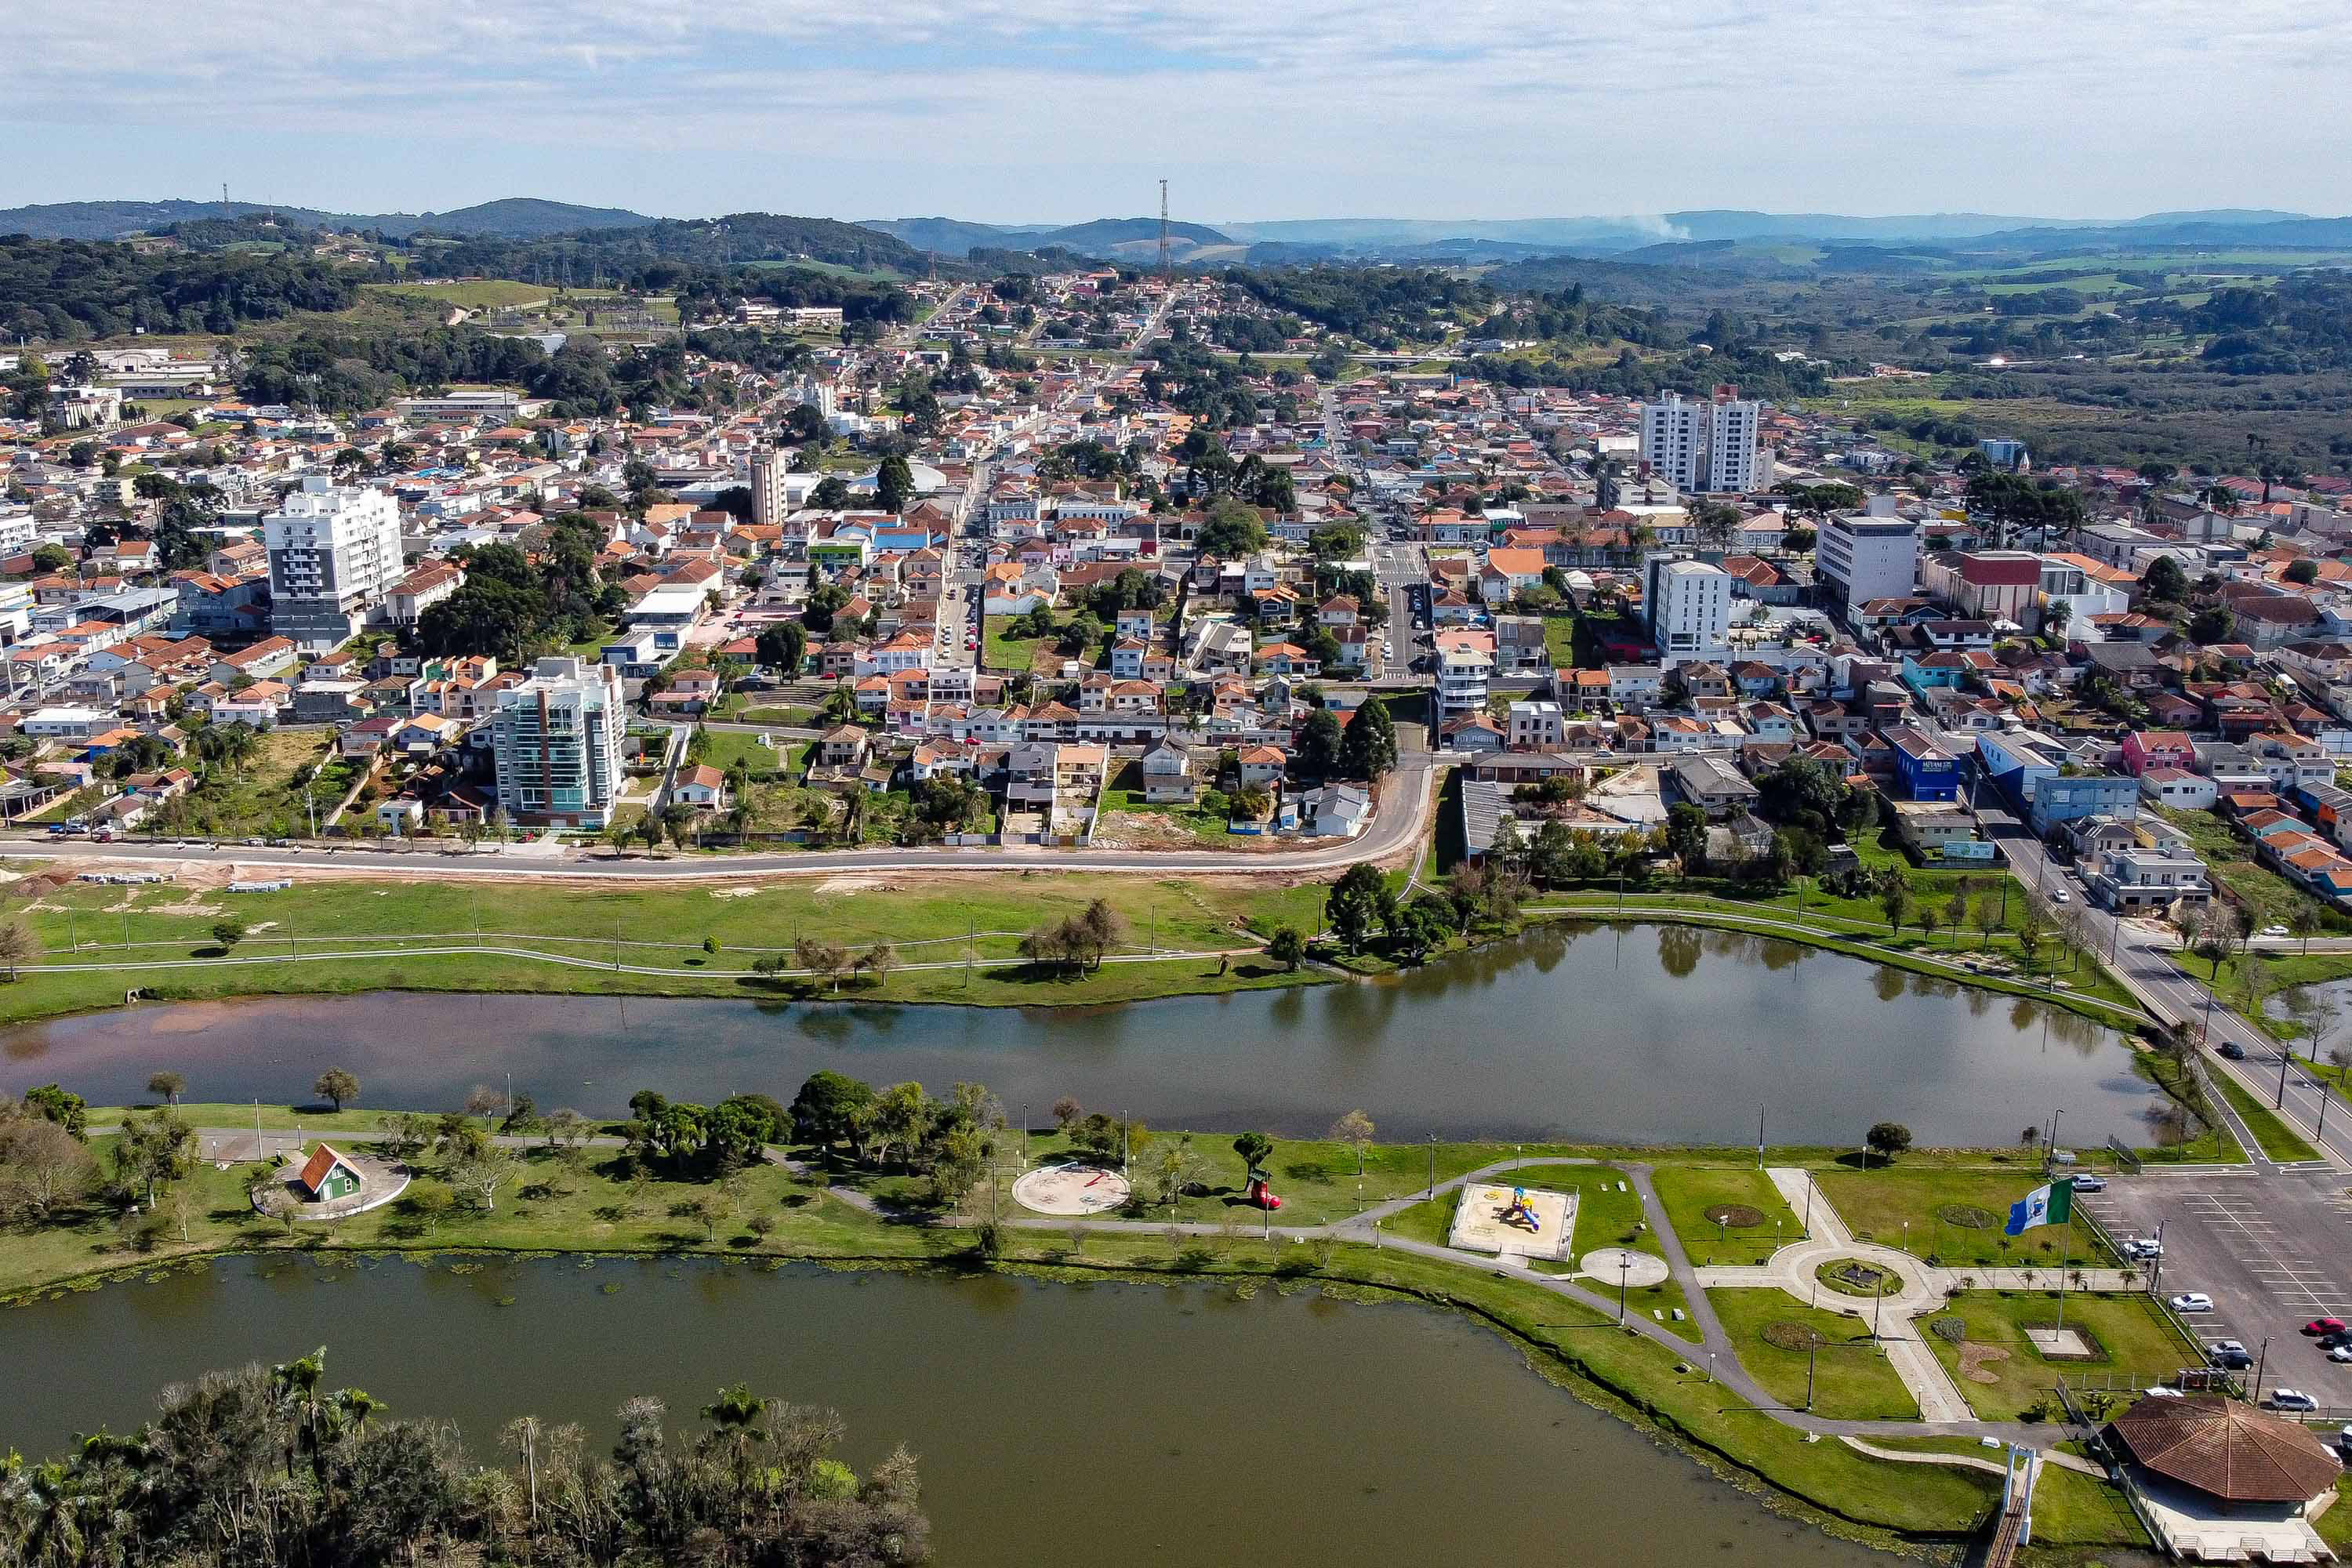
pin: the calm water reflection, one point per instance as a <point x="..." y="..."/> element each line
<point x="1666" y="1033"/>
<point x="1053" y="1422"/>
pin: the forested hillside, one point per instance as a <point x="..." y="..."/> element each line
<point x="65" y="290"/>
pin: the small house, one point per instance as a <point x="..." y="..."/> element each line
<point x="327" y="1176"/>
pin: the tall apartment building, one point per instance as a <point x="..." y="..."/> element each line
<point x="334" y="553"/>
<point x="1862" y="556"/>
<point x="1690" y="610"/>
<point x="769" y="504"/>
<point x="1707" y="446"/>
<point x="557" y="740"/>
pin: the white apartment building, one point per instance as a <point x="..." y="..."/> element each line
<point x="1862" y="556"/>
<point x="335" y="555"/>
<point x="1690" y="610"/>
<point x="1462" y="677"/>
<point x="1706" y="446"/>
<point x="1536" y="726"/>
<point x="557" y="740"/>
<point x="770" y="502"/>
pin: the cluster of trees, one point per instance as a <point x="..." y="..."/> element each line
<point x="654" y="258"/>
<point x="1380" y="306"/>
<point x="700" y="1143"/>
<point x="1077" y="943"/>
<point x="1566" y="316"/>
<point x="1364" y="748"/>
<point x="825" y="959"/>
<point x="72" y="290"/>
<point x="950" y="1143"/>
<point x="2010" y="502"/>
<point x="275" y="1465"/>
<point x="513" y="607"/>
<point x="2303" y="324"/>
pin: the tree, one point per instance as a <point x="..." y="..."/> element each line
<point x="1888" y="1139"/>
<point x="1355" y="1128"/>
<point x="2165" y="580"/>
<point x="1686" y="833"/>
<point x="1230" y="529"/>
<point x="228" y="933"/>
<point x="1358" y="900"/>
<point x="42" y="1164"/>
<point x="168" y="1084"/>
<point x="1894" y="903"/>
<point x="336" y="1086"/>
<point x="2302" y="573"/>
<point x="829" y="1107"/>
<point x="2210" y="625"/>
<point x="878" y="961"/>
<point x="272" y="1201"/>
<point x="783" y="646"/>
<point x="1318" y="744"/>
<point x="1424" y="924"/>
<point x="827" y="960"/>
<point x="1287" y="947"/>
<point x="18" y="946"/>
<point x="1255" y="1149"/>
<point x="480" y="1174"/>
<point x="1175" y="1166"/>
<point x="1368" y="747"/>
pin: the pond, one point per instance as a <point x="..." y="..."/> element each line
<point x="1640" y="1032"/>
<point x="1105" y="1422"/>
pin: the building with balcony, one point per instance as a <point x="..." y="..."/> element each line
<point x="557" y="740"/>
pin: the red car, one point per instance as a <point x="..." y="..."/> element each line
<point x="2323" y="1326"/>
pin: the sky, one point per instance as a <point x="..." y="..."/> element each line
<point x="1059" y="111"/>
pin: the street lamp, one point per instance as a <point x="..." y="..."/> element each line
<point x="1624" y="1265"/>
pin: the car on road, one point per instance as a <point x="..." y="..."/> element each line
<point x="2090" y="1183"/>
<point x="2290" y="1399"/>
<point x="2231" y="1049"/>
<point x="2272" y="931"/>
<point x="2143" y="1248"/>
<point x="2229" y="1354"/>
<point x="2060" y="896"/>
<point x="2192" y="1301"/>
<point x="2323" y="1326"/>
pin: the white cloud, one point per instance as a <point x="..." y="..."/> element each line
<point x="1480" y="107"/>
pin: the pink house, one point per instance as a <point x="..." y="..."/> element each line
<point x="2146" y="749"/>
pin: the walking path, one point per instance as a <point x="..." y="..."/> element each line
<point x="1942" y="1410"/>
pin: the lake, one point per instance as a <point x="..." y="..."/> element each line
<point x="1639" y="1033"/>
<point x="1053" y="1422"/>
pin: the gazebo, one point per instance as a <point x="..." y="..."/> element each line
<point x="2224" y="1481"/>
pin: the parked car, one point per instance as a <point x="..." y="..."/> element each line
<point x="2192" y="1301"/>
<point x="2090" y="1183"/>
<point x="2290" y="1399"/>
<point x="2231" y="1049"/>
<point x="2329" y="1341"/>
<point x="2160" y="1392"/>
<point x="2323" y="1326"/>
<point x="2143" y="1248"/>
<point x="2229" y="1354"/>
<point x="2340" y="1352"/>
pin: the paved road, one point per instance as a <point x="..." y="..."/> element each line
<point x="2145" y="961"/>
<point x="1396" y="828"/>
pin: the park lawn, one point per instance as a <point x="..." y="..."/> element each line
<point x="2279" y="1142"/>
<point x="589" y="1209"/>
<point x="1688" y="1191"/>
<point x="1875" y="1203"/>
<point x="784" y="718"/>
<point x="2334" y="1526"/>
<point x="1852" y="1380"/>
<point x="2137" y="1341"/>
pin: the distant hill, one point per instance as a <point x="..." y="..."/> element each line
<point x="515" y="217"/>
<point x="1126" y="238"/>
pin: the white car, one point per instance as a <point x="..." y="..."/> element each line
<point x="2160" y="1392"/>
<point x="2060" y="896"/>
<point x="2341" y="1352"/>
<point x="2273" y="931"/>
<point x="2290" y="1399"/>
<point x="2144" y="1247"/>
<point x="2192" y="1301"/>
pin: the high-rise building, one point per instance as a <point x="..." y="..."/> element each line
<point x="1862" y="556"/>
<point x="334" y="553"/>
<point x="1702" y="447"/>
<point x="769" y="504"/>
<point x="557" y="739"/>
<point x="1690" y="609"/>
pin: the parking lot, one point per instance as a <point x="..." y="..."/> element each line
<point x="2274" y="1252"/>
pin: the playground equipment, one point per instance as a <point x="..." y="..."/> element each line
<point x="1261" y="1195"/>
<point x="1517" y="1213"/>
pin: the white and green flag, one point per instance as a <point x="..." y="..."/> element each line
<point x="2050" y="1205"/>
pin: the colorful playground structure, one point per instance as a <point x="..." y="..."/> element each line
<point x="1514" y="1221"/>
<point x="1519" y="1214"/>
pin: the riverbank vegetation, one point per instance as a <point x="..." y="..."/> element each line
<point x="255" y="1465"/>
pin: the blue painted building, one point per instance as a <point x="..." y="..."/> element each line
<point x="2048" y="786"/>
<point x="1927" y="770"/>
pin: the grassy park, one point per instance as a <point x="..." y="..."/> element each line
<point x="2004" y="1375"/>
<point x="1850" y="1376"/>
<point x="1955" y="1218"/>
<point x="1726" y="1215"/>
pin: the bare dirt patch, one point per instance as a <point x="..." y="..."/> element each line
<point x="1976" y="1358"/>
<point x="1738" y="1217"/>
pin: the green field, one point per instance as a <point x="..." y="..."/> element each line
<point x="2278" y="1140"/>
<point x="1688" y="1191"/>
<point x="1876" y="1203"/>
<point x="1851" y="1377"/>
<point x="471" y="293"/>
